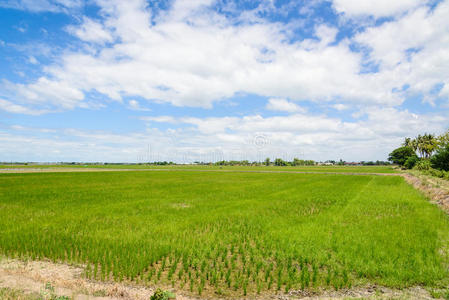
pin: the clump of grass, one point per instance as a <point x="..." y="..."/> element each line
<point x="162" y="295"/>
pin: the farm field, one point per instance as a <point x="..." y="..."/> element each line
<point x="330" y="169"/>
<point x="230" y="234"/>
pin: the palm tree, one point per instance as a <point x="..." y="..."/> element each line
<point x="406" y="142"/>
<point x="443" y="139"/>
<point x="426" y="144"/>
<point x="412" y="143"/>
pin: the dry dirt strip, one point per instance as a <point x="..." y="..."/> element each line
<point x="31" y="277"/>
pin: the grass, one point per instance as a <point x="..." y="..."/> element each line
<point x="228" y="233"/>
<point x="47" y="293"/>
<point x="12" y="294"/>
<point x="333" y="169"/>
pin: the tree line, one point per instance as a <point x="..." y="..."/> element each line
<point x="267" y="162"/>
<point x="427" y="152"/>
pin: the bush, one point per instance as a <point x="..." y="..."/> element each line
<point x="411" y="161"/>
<point x="162" y="295"/>
<point x="422" y="165"/>
<point x="440" y="160"/>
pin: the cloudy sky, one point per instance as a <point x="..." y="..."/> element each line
<point x="184" y="80"/>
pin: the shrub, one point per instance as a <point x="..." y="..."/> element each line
<point x="440" y="160"/>
<point x="422" y="165"/>
<point x="162" y="295"/>
<point x="411" y="161"/>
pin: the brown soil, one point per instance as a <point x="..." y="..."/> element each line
<point x="31" y="277"/>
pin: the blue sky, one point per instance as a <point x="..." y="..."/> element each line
<point x="137" y="80"/>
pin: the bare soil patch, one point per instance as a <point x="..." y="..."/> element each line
<point x="31" y="277"/>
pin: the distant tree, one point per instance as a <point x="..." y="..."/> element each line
<point x="267" y="161"/>
<point x="280" y="162"/>
<point x="310" y="162"/>
<point x="400" y="155"/>
<point x="298" y="162"/>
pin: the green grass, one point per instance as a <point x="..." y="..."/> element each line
<point x="335" y="169"/>
<point x="228" y="233"/>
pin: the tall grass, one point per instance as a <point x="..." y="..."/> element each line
<point x="227" y="233"/>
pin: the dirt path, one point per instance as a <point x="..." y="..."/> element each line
<point x="65" y="280"/>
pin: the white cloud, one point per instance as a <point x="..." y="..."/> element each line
<point x="44" y="91"/>
<point x="326" y="34"/>
<point x="340" y="106"/>
<point x="192" y="56"/>
<point x="42" y="5"/>
<point x="135" y="105"/>
<point x="376" y="8"/>
<point x="413" y="50"/>
<point x="160" y="119"/>
<point x="279" y="104"/>
<point x="298" y="135"/>
<point x="19" y="109"/>
<point x="33" y="60"/>
<point x="91" y="31"/>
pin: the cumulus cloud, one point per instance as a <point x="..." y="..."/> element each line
<point x="414" y="50"/>
<point x="340" y="106"/>
<point x="279" y="104"/>
<point x="193" y="56"/>
<point x="135" y="105"/>
<point x="43" y="91"/>
<point x="214" y="138"/>
<point x="91" y="31"/>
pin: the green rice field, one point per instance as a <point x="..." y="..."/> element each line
<point x="228" y="233"/>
